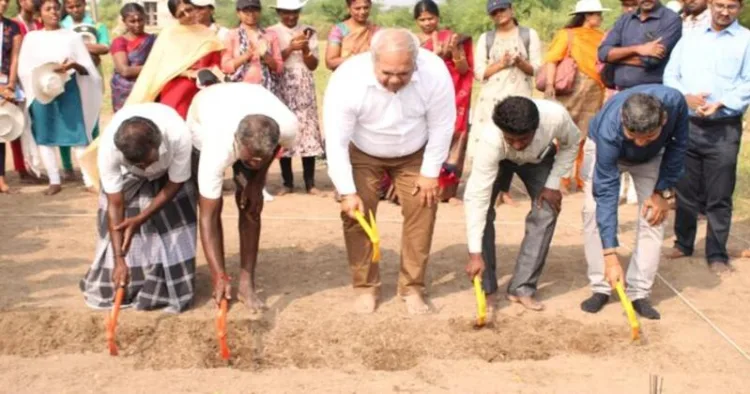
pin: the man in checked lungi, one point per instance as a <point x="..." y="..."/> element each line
<point x="242" y="126"/>
<point x="147" y="212"/>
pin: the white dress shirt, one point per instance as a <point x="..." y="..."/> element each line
<point x="174" y="151"/>
<point x="357" y="109"/>
<point x="554" y="124"/>
<point x="213" y="117"/>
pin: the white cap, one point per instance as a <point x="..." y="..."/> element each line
<point x="204" y="3"/>
<point x="588" y="6"/>
<point x="289" y="5"/>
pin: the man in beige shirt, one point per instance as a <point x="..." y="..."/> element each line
<point x="521" y="140"/>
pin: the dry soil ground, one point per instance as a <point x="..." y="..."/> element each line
<point x="309" y="341"/>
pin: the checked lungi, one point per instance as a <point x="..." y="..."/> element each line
<point x="161" y="257"/>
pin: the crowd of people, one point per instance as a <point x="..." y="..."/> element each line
<point x="658" y="98"/>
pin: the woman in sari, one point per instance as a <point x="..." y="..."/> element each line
<point x="70" y="118"/>
<point x="251" y="53"/>
<point x="299" y="44"/>
<point x="129" y="52"/>
<point x="457" y="53"/>
<point x="352" y="36"/>
<point x="180" y="51"/>
<point x="580" y="40"/>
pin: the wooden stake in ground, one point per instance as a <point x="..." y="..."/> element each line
<point x="656" y="384"/>
<point x="111" y="322"/>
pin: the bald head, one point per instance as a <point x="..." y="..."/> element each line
<point x="394" y="40"/>
<point x="394" y="54"/>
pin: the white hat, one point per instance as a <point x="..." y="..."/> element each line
<point x="46" y="84"/>
<point x="11" y="121"/>
<point x="290" y="5"/>
<point x="204" y="3"/>
<point x="587" y="6"/>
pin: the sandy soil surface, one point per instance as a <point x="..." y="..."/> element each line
<point x="308" y="341"/>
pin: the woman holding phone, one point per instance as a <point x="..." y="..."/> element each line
<point x="299" y="49"/>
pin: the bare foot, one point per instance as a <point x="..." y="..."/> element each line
<point x="90" y="189"/>
<point x="416" y="305"/>
<point x="247" y="296"/>
<point x="365" y="303"/>
<point x="675" y="254"/>
<point x="284" y="191"/>
<point x="4" y="188"/>
<point x="455" y="201"/>
<point x="337" y="196"/>
<point x="52" y="190"/>
<point x="528" y="302"/>
<point x="741" y="254"/>
<point x="314" y="191"/>
<point x="720" y="268"/>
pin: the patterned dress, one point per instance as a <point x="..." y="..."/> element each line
<point x="297" y="91"/>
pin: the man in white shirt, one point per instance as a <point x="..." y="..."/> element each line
<point x="242" y="126"/>
<point x="520" y="140"/>
<point x="147" y="225"/>
<point x="391" y="110"/>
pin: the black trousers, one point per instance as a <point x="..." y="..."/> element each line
<point x="308" y="172"/>
<point x="2" y="159"/>
<point x="540" y="227"/>
<point x="707" y="185"/>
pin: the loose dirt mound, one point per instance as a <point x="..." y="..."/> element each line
<point x="376" y="343"/>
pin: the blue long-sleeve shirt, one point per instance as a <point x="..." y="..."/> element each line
<point x="629" y="30"/>
<point x="613" y="148"/>
<point x="707" y="61"/>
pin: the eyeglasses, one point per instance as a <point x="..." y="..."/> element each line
<point x="727" y="7"/>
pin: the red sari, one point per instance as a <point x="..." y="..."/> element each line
<point x="179" y="92"/>
<point x="450" y="174"/>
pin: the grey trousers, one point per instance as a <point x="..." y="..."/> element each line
<point x="540" y="226"/>
<point x="647" y="251"/>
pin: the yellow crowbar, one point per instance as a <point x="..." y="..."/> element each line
<point x="371" y="229"/>
<point x="481" y="303"/>
<point x="635" y="326"/>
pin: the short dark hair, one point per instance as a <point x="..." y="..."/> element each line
<point x="642" y="113"/>
<point x="427" y="6"/>
<point x="39" y="3"/>
<point x="172" y="5"/>
<point x="259" y="134"/>
<point x="131" y="8"/>
<point x="136" y="138"/>
<point x="516" y="115"/>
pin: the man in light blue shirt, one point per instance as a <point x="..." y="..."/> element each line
<point x="711" y="67"/>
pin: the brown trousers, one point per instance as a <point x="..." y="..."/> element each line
<point x="418" y="227"/>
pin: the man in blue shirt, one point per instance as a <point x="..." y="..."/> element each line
<point x="644" y="131"/>
<point x="640" y="43"/>
<point x="711" y="68"/>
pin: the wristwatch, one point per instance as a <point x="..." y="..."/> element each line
<point x="666" y="194"/>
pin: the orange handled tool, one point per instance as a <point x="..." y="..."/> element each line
<point x="371" y="229"/>
<point x="112" y="321"/>
<point x="221" y="329"/>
